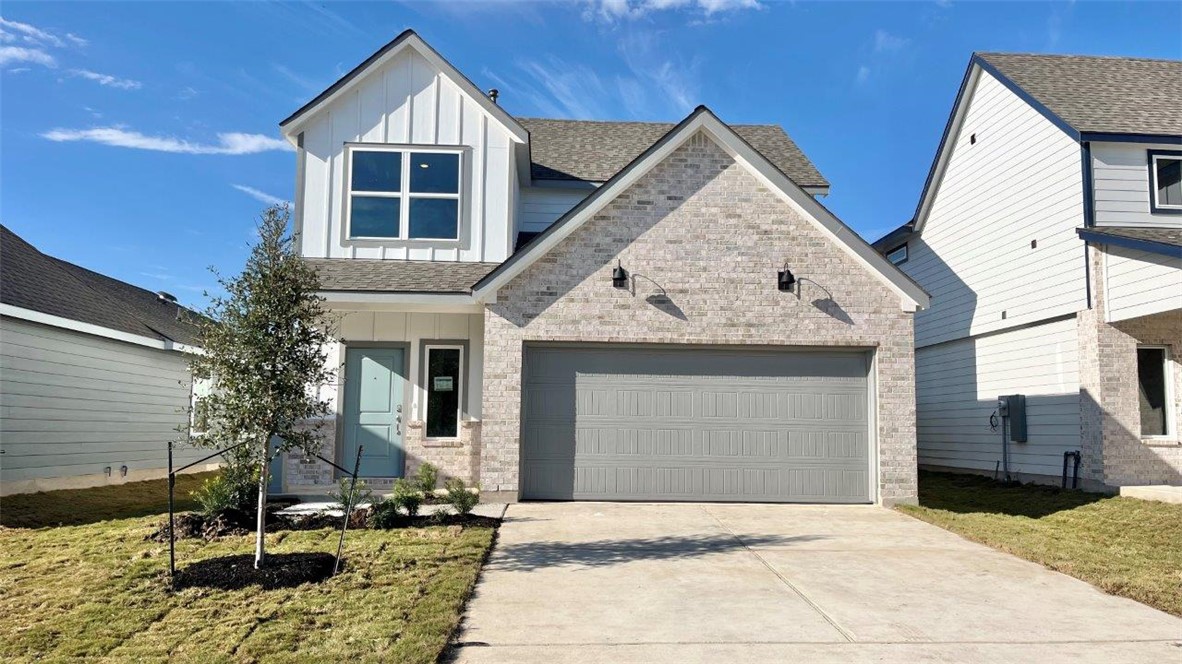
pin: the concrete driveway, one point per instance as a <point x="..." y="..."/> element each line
<point x="600" y="582"/>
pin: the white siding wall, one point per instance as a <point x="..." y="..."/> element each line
<point x="1120" y="177"/>
<point x="542" y="206"/>
<point x="1140" y="283"/>
<point x="957" y="385"/>
<point x="72" y="404"/>
<point x="408" y="101"/>
<point x="1021" y="181"/>
<point x="361" y="326"/>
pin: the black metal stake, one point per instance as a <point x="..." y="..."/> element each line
<point x="172" y="521"/>
<point x="348" y="510"/>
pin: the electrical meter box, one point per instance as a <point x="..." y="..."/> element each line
<point x="1012" y="407"/>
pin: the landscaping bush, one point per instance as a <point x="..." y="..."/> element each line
<point x="461" y="499"/>
<point x="361" y="493"/>
<point x="407" y="496"/>
<point x="384" y="515"/>
<point x="232" y="491"/>
<point x="426" y="478"/>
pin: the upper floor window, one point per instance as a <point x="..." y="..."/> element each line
<point x="401" y="194"/>
<point x="1165" y="181"/>
<point x="897" y="255"/>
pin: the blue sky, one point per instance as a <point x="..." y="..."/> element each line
<point x="141" y="139"/>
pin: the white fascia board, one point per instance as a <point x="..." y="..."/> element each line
<point x="424" y="302"/>
<point x="95" y="330"/>
<point x="413" y="41"/>
<point x="910" y="294"/>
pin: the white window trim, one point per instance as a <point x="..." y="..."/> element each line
<point x="1153" y="188"/>
<point x="1167" y="377"/>
<point x="462" y="379"/>
<point x="403" y="194"/>
<point x="906" y="254"/>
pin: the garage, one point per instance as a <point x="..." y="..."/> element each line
<point x="668" y="423"/>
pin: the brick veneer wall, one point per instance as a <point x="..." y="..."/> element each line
<point x="454" y="458"/>
<point x="702" y="239"/>
<point x="1110" y="427"/>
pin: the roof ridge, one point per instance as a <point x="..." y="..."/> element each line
<point x="644" y="122"/>
<point x="1128" y="58"/>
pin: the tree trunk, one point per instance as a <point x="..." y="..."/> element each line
<point x="261" y="529"/>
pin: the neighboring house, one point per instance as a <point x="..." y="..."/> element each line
<point x="92" y="376"/>
<point x="592" y="310"/>
<point x="1049" y="235"/>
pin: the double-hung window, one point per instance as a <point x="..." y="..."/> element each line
<point x="445" y="367"/>
<point x="403" y="194"/>
<point x="1165" y="181"/>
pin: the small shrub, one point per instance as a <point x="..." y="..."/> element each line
<point x="384" y="515"/>
<point x="426" y="478"/>
<point x="460" y="498"/>
<point x="407" y="496"/>
<point x="232" y="491"/>
<point x="361" y="493"/>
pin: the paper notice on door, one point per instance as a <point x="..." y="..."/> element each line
<point x="442" y="384"/>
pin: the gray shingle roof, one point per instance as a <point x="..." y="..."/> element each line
<point x="32" y="280"/>
<point x="1101" y="94"/>
<point x="1164" y="236"/>
<point x="399" y="276"/>
<point x="592" y="150"/>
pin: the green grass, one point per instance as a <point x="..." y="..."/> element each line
<point x="99" y="590"/>
<point x="1124" y="546"/>
<point x="73" y="507"/>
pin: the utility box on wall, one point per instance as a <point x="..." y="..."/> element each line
<point x="1012" y="408"/>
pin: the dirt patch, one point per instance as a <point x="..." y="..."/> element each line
<point x="282" y="570"/>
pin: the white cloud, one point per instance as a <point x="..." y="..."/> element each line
<point x="885" y="42"/>
<point x="260" y="196"/>
<point x="76" y="40"/>
<point x="616" y="10"/>
<point x="13" y="54"/>
<point x="863" y="74"/>
<point x="107" y="80"/>
<point x="29" y="34"/>
<point x="231" y="143"/>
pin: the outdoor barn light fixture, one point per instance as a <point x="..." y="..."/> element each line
<point x="785" y="279"/>
<point x="619" y="276"/>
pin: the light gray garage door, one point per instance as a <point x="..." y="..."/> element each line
<point x="642" y="423"/>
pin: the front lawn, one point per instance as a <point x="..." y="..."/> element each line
<point x="1125" y="546"/>
<point x="99" y="590"/>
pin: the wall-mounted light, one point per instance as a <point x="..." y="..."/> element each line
<point x="785" y="279"/>
<point x="619" y="276"/>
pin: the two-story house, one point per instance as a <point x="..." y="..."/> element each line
<point x="1049" y="234"/>
<point x="593" y="310"/>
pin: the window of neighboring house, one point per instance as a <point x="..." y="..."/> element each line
<point x="398" y="194"/>
<point x="1165" y="181"/>
<point x="199" y="413"/>
<point x="1153" y="390"/>
<point x="444" y="390"/>
<point x="897" y="255"/>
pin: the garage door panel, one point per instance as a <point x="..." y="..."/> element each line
<point x="624" y="423"/>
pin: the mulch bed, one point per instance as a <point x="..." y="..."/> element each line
<point x="281" y="570"/>
<point x="193" y="525"/>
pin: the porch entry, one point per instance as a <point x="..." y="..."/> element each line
<point x="373" y="417"/>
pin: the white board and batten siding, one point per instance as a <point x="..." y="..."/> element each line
<point x="74" y="404"/>
<point x="1140" y="283"/>
<point x="957" y="385"/>
<point x="542" y="206"/>
<point x="408" y="102"/>
<point x="1018" y="182"/>
<point x="1120" y="181"/>
<point x="362" y="327"/>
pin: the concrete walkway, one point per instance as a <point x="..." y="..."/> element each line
<point x="600" y="582"/>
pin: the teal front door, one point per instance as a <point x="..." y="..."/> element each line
<point x="373" y="410"/>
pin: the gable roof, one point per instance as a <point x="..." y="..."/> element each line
<point x="361" y="275"/>
<point x="1068" y="91"/>
<point x="1164" y="241"/>
<point x="910" y="293"/>
<point x="34" y="281"/>
<point x="408" y="39"/>
<point x="1103" y="95"/>
<point x="594" y="151"/>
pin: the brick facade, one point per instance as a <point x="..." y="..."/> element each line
<point x="1114" y="452"/>
<point x="454" y="458"/>
<point x="702" y="239"/>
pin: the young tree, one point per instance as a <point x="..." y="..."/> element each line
<point x="263" y="353"/>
